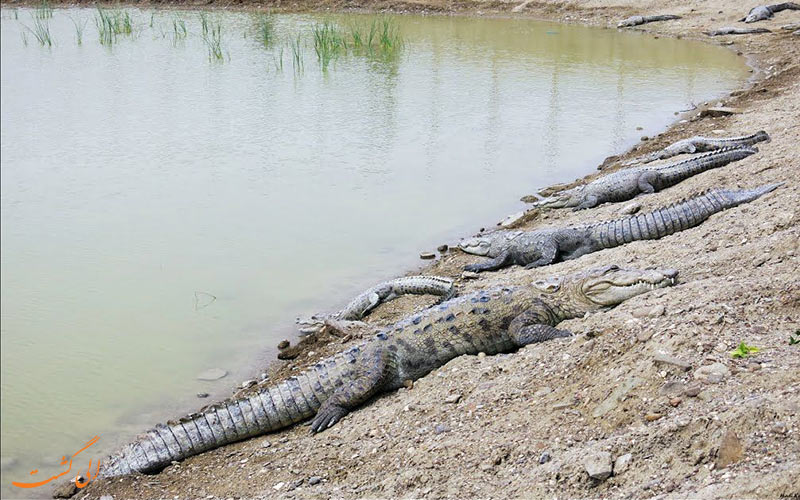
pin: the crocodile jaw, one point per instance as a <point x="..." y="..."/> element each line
<point x="612" y="285"/>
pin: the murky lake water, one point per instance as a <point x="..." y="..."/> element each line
<point x="141" y="180"/>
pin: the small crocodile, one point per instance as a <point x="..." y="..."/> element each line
<point x="546" y="246"/>
<point x="638" y="20"/>
<point x="729" y="30"/>
<point x="628" y="183"/>
<point x="698" y="144"/>
<point x="763" y="12"/>
<point x="372" y="297"/>
<point x="491" y="321"/>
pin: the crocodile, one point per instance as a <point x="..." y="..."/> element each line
<point x="638" y="20"/>
<point x="729" y="30"/>
<point x="357" y="308"/>
<point x="763" y="12"/>
<point x="698" y="144"/>
<point x="547" y="246"/>
<point x="491" y="321"/>
<point x="628" y="183"/>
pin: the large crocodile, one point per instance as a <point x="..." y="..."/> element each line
<point x="546" y="246"/>
<point x="639" y="20"/>
<point x="357" y="308"/>
<point x="490" y="321"/>
<point x="698" y="144"/>
<point x="628" y="183"/>
<point x="763" y="12"/>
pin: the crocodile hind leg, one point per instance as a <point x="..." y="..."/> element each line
<point x="358" y="388"/>
<point x="647" y="182"/>
<point x="528" y="328"/>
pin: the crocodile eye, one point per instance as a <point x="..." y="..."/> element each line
<point x="548" y="285"/>
<point x="612" y="267"/>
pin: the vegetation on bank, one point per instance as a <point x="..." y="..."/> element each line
<point x="375" y="38"/>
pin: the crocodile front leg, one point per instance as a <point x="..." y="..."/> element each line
<point x="590" y="201"/>
<point x="501" y="260"/>
<point x="528" y="328"/>
<point x="361" y="386"/>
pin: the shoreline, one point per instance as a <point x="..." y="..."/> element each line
<point x="402" y="411"/>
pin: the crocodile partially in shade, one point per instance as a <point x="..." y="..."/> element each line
<point x="627" y="183"/>
<point x="383" y="292"/>
<point x="763" y="12"/>
<point x="490" y="321"/>
<point x="698" y="144"/>
<point x="546" y="246"/>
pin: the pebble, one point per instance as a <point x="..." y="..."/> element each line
<point x="314" y="480"/>
<point x="408" y="384"/>
<point x="544" y="391"/>
<point x="644" y="335"/>
<point x="283" y="344"/>
<point x="106" y="497"/>
<point x="278" y="486"/>
<point x="630" y="208"/>
<point x="652" y="312"/>
<point x="440" y="429"/>
<point x="730" y="450"/>
<point x="712" y="374"/>
<point x="652" y="417"/>
<point x="427" y="256"/>
<point x="674" y="402"/>
<point x="470" y="275"/>
<point x="544" y="458"/>
<point x="442" y="248"/>
<point x="212" y="374"/>
<point x="661" y="357"/>
<point x="598" y="465"/>
<point x="622" y="463"/>
<point x="645" y="138"/>
<point x="453" y="398"/>
<point x="66" y="490"/>
<point x="511" y="219"/>
<point x="202" y="395"/>
<point x="693" y="390"/>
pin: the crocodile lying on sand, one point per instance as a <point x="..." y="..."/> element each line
<point x="490" y="321"/>
<point x="371" y="298"/>
<point x="763" y="12"/>
<point x="698" y="144"/>
<point x="628" y="183"/>
<point x="546" y="246"/>
<point x="638" y="20"/>
<point x="737" y="31"/>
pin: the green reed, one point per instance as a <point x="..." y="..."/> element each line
<point x="204" y="23"/>
<point x="40" y="31"/>
<point x="179" y="31"/>
<point x="213" y="41"/>
<point x="381" y="38"/>
<point x="43" y="11"/>
<point x="297" y="54"/>
<point x="112" y="23"/>
<point x="265" y="29"/>
<point x="79" y="27"/>
<point x="329" y="43"/>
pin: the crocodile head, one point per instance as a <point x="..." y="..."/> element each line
<point x="488" y="245"/>
<point x="569" y="198"/>
<point x="610" y="285"/>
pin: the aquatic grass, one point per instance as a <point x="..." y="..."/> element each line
<point x="24" y="35"/>
<point x="179" y="31"/>
<point x="79" y="27"/>
<point x="152" y="18"/>
<point x="329" y="43"/>
<point x="40" y="31"/>
<point x="297" y="54"/>
<point x="43" y="11"/>
<point x="265" y="29"/>
<point x="381" y="38"/>
<point x="279" y="61"/>
<point x="112" y="23"/>
<point x="204" y="23"/>
<point x="213" y="41"/>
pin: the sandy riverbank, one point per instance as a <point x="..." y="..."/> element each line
<point x="740" y="282"/>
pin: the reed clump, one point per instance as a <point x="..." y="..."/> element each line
<point x="112" y="23"/>
<point x="265" y="29"/>
<point x="213" y="41"/>
<point x="40" y="31"/>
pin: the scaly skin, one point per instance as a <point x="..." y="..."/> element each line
<point x="699" y="144"/>
<point x="380" y="293"/>
<point x="763" y="12"/>
<point x="547" y="246"/>
<point x="490" y="321"/>
<point x="637" y="20"/>
<point x="629" y="183"/>
<point x="728" y="30"/>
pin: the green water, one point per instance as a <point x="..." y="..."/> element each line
<point x="141" y="179"/>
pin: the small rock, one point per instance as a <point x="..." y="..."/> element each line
<point x="249" y="383"/>
<point x="544" y="391"/>
<point x="442" y="248"/>
<point x="266" y="444"/>
<point x="440" y="429"/>
<point x="564" y="405"/>
<point x="284" y="344"/>
<point x="512" y="219"/>
<point x="712" y="374"/>
<point x="427" y="256"/>
<point x="278" y="486"/>
<point x="672" y="387"/>
<point x="66" y="490"/>
<point x="408" y="384"/>
<point x="470" y="275"/>
<point x="704" y="396"/>
<point x="652" y="312"/>
<point x="622" y="463"/>
<point x="106" y="497"/>
<point x="639" y="128"/>
<point x="630" y="208"/>
<point x="481" y="354"/>
<point x="314" y="480"/>
<point x="652" y="417"/>
<point x="661" y="357"/>
<point x="645" y="138"/>
<point x="719" y="111"/>
<point x="544" y="458"/>
<point x="779" y="428"/>
<point x="202" y="395"/>
<point x="674" y="402"/>
<point x="644" y="335"/>
<point x="212" y="374"/>
<point x="693" y="390"/>
<point x="453" y="398"/>
<point x="730" y="450"/>
<point x="598" y="465"/>
<point x="753" y="367"/>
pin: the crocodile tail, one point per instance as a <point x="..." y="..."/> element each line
<point x="265" y="410"/>
<point x="676" y="172"/>
<point x="673" y="218"/>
